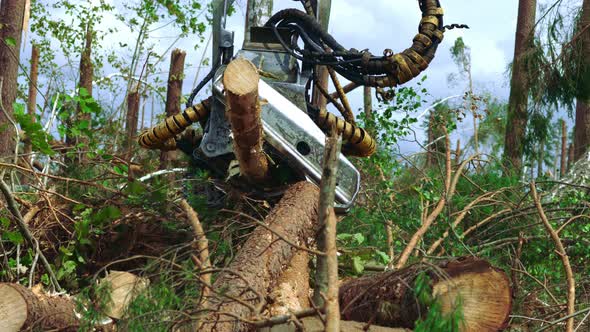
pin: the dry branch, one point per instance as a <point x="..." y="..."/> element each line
<point x="571" y="284"/>
<point x="202" y="245"/>
<point x="241" y="84"/>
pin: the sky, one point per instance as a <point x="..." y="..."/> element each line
<point x="376" y="25"/>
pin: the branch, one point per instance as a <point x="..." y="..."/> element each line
<point x="437" y="210"/>
<point x="571" y="291"/>
<point x="202" y="244"/>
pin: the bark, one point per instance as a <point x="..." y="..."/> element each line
<point x="11" y="21"/>
<point x="241" y="84"/>
<point x="261" y="260"/>
<point x="570" y="156"/>
<point x="387" y="298"/>
<point x="563" y="166"/>
<point x="131" y="120"/>
<point x="519" y="88"/>
<point x="173" y="97"/>
<point x="32" y="99"/>
<point x="291" y="294"/>
<point x="21" y="309"/>
<point x="582" y="127"/>
<point x="326" y="208"/>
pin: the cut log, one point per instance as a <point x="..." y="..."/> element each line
<point x="124" y="288"/>
<point x="241" y="84"/>
<point x="25" y="309"/>
<point x="21" y="309"/>
<point x="261" y="260"/>
<point x="387" y="298"/>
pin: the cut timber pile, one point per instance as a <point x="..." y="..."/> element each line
<point x="387" y="298"/>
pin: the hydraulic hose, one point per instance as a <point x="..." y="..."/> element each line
<point x="162" y="135"/>
<point x="358" y="142"/>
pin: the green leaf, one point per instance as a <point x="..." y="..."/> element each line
<point x="14" y="237"/>
<point x="10" y="41"/>
<point x="357" y="265"/>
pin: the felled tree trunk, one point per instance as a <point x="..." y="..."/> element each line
<point x="21" y="309"/>
<point x="241" y="84"/>
<point x="261" y="260"/>
<point x="388" y="298"/>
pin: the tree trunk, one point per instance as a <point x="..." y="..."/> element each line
<point x="458" y="152"/>
<point x="387" y="298"/>
<point x="262" y="259"/>
<point x="430" y="143"/>
<point x="563" y="164"/>
<point x="32" y="99"/>
<point x="86" y="76"/>
<point x="241" y="84"/>
<point x="368" y="102"/>
<point x="291" y="293"/>
<point x="519" y="88"/>
<point x="11" y="19"/>
<point x="131" y="121"/>
<point x="582" y="128"/>
<point x="21" y="309"/>
<point x="541" y="158"/>
<point x="173" y="96"/>
<point x="570" y="156"/>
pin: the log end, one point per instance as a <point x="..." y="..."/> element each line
<point x="483" y="291"/>
<point x="13" y="308"/>
<point x="124" y="287"/>
<point x="241" y="77"/>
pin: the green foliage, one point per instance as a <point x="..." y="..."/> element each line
<point x="33" y="130"/>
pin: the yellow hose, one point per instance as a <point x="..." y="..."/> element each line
<point x="162" y="135"/>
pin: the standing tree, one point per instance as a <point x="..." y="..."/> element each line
<point x="11" y="25"/>
<point x="519" y="87"/>
<point x="582" y="128"/>
<point x="461" y="54"/>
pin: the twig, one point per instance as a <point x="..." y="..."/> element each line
<point x="583" y="311"/>
<point x="571" y="291"/>
<point x="24" y="230"/>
